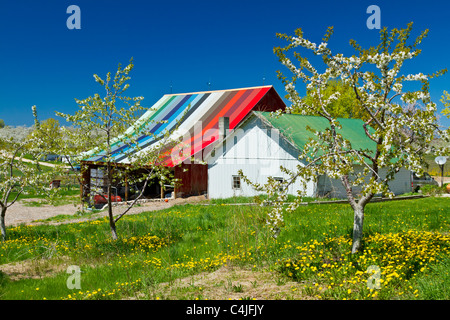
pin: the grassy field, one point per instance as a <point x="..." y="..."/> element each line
<point x="223" y="251"/>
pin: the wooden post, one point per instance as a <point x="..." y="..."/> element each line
<point x="85" y="182"/>
<point x="175" y="170"/>
<point x="81" y="193"/>
<point x="126" y="187"/>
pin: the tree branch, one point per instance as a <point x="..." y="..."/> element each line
<point x="15" y="198"/>
<point x="349" y="191"/>
<point x="364" y="105"/>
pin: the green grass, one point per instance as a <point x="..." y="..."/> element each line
<point x="66" y="195"/>
<point x="435" y="285"/>
<point x="41" y="167"/>
<point x="260" y="198"/>
<point x="161" y="246"/>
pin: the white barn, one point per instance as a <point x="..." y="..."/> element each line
<point x="260" y="145"/>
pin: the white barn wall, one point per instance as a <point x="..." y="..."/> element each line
<point x="401" y="183"/>
<point x="334" y="188"/>
<point x="258" y="152"/>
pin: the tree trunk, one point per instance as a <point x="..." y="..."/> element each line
<point x="357" y="228"/>
<point x="358" y="210"/>
<point x="2" y="223"/>
<point x="112" y="223"/>
<point x="112" y="226"/>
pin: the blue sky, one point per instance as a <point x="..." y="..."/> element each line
<point x="183" y="43"/>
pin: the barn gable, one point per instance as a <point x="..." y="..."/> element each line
<point x="256" y="148"/>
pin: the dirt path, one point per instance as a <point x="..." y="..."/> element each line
<point x="227" y="283"/>
<point x="41" y="163"/>
<point x="21" y="213"/>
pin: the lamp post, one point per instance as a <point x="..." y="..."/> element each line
<point x="440" y="160"/>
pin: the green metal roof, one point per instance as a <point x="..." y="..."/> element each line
<point x="294" y="128"/>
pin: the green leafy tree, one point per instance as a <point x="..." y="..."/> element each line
<point x="48" y="133"/>
<point x="2" y="123"/>
<point x="345" y="106"/>
<point x="445" y="99"/>
<point x="445" y="134"/>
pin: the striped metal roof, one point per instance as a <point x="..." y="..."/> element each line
<point x="188" y="110"/>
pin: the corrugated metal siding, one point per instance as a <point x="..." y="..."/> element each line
<point x="334" y="188"/>
<point x="401" y="182"/>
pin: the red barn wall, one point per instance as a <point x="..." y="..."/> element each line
<point x="270" y="102"/>
<point x="194" y="181"/>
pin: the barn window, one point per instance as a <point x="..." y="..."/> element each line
<point x="281" y="181"/>
<point x="236" y="183"/>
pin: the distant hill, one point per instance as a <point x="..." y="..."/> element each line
<point x="18" y="133"/>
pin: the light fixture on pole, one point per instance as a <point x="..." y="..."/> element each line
<point x="440" y="160"/>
